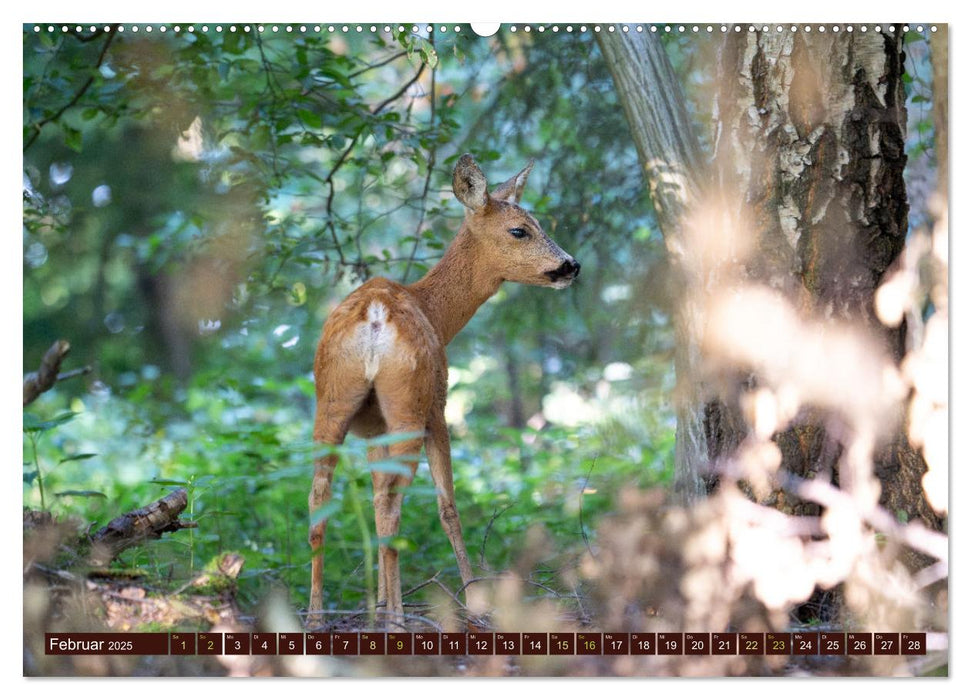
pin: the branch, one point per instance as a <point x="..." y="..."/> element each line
<point x="432" y="152"/>
<point x="36" y="383"/>
<point x="913" y="534"/>
<point x="80" y="93"/>
<point x="329" y="179"/>
<point x="79" y="372"/>
<point x="372" y="66"/>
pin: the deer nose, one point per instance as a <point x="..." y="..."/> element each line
<point x="568" y="270"/>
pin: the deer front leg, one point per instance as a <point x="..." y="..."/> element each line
<point x="440" y="464"/>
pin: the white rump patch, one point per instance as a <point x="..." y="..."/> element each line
<point x="375" y="338"/>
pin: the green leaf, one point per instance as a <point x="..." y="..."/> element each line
<point x="298" y="294"/>
<point x="393" y="438"/>
<point x="30" y="477"/>
<point x="79" y="457"/>
<point x="311" y="119"/>
<point x="33" y="424"/>
<point x="429" y="56"/>
<point x="82" y="494"/>
<point x="72" y="138"/>
<point x="231" y="42"/>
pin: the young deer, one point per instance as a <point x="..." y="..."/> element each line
<point x="381" y="367"/>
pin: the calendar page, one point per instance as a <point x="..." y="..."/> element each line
<point x="438" y="349"/>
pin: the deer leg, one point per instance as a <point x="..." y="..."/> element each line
<point x="388" y="496"/>
<point x="320" y="494"/>
<point x="330" y="428"/>
<point x="379" y="454"/>
<point x="440" y="464"/>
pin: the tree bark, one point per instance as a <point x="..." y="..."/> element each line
<point x="136" y="526"/>
<point x="671" y="157"/>
<point x="812" y="129"/>
<point x="808" y="161"/>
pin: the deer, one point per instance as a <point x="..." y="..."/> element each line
<point x="381" y="369"/>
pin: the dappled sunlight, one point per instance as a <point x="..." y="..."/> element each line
<point x="565" y="406"/>
<point x="189" y="145"/>
<point x="814" y="362"/>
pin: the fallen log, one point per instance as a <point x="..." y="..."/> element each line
<point x="149" y="522"/>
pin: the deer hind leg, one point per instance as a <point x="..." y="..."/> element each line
<point x="404" y="407"/>
<point x="330" y="428"/>
<point x="379" y="454"/>
<point x="388" y="496"/>
<point x="440" y="464"/>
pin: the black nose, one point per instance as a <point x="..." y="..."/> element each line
<point x="570" y="268"/>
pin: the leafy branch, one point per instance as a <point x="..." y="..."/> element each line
<point x="39" y="126"/>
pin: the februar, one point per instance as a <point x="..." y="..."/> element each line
<point x="58" y="644"/>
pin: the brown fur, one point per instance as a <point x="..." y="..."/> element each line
<point x="381" y="367"/>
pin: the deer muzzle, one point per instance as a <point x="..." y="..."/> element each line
<point x="564" y="274"/>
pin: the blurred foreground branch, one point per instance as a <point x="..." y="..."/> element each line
<point x="913" y="534"/>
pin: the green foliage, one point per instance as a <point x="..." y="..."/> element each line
<point x="194" y="205"/>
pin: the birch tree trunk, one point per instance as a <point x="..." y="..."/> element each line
<point x="812" y="130"/>
<point x="808" y="135"/>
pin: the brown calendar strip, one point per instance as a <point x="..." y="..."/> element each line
<point x="491" y="643"/>
<point x="76" y="643"/>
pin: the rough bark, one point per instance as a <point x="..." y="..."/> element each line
<point x="136" y="526"/>
<point x="812" y="132"/>
<point x="808" y="136"/>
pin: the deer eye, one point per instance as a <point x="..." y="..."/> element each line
<point x="519" y="233"/>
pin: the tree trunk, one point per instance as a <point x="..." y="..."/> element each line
<point x="670" y="155"/>
<point x="809" y="158"/>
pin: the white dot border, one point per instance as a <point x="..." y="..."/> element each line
<point x="296" y="28"/>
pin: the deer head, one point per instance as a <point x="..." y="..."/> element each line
<point x="515" y="246"/>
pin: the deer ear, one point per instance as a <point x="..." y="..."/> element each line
<point x="469" y="184"/>
<point x="512" y="189"/>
